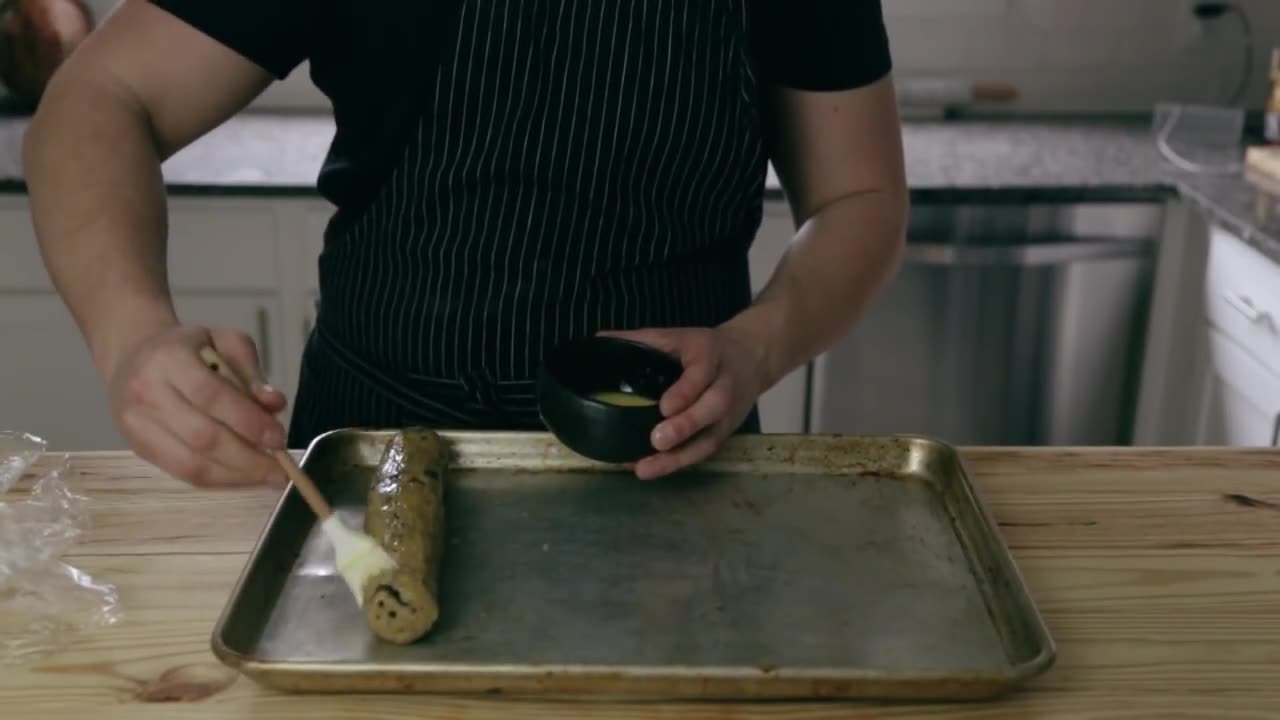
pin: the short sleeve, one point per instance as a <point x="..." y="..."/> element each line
<point x="273" y="34"/>
<point x="820" y="45"/>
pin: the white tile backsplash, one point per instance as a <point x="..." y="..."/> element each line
<point x="921" y="46"/>
<point x="1089" y="55"/>
<point x="945" y="8"/>
<point x="1074" y="15"/>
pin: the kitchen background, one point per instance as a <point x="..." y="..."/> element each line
<point x="1067" y="282"/>
<point x="1064" y="55"/>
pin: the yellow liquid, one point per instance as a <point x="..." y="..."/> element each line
<point x="623" y="399"/>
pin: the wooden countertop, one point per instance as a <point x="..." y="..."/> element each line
<point x="1158" y="573"/>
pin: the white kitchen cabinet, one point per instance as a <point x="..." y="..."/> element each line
<point x="1240" y="394"/>
<point x="1241" y="399"/>
<point x="224" y="268"/>
<point x="49" y="386"/>
<point x="1212" y="361"/>
<point x="1242" y="296"/>
<point x="215" y="244"/>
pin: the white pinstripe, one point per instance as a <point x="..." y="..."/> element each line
<point x="500" y="149"/>
<point x="590" y="243"/>
<point x="615" y="179"/>
<point x="519" y="235"/>
<point x="665" y="190"/>
<point x="555" y="154"/>
<point x="400" y="272"/>
<point x="597" y="238"/>
<point x="431" y="243"/>
<point x="413" y="270"/>
<point x="530" y="221"/>
<point x="720" y="197"/>
<point x="460" y="237"/>
<point x="366" y="274"/>
<point x="439" y="323"/>
<point x="475" y="276"/>
<point x="422" y="287"/>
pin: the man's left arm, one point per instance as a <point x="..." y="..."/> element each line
<point x="839" y="157"/>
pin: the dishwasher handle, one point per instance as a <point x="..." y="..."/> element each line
<point x="1037" y="254"/>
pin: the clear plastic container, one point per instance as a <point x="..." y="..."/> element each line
<point x="44" y="602"/>
<point x="1200" y="138"/>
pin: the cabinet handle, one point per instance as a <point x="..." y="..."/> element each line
<point x="1245" y="307"/>
<point x="1035" y="254"/>
<point x="264" y="340"/>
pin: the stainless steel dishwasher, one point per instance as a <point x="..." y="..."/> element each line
<point x="1009" y="324"/>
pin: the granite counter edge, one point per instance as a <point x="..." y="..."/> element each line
<point x="996" y="193"/>
<point x="1263" y="239"/>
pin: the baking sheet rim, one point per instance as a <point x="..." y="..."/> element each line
<point x="998" y="683"/>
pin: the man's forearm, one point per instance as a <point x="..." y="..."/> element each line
<point x="98" y="206"/>
<point x="839" y="262"/>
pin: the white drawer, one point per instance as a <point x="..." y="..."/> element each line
<point x="1243" y="408"/>
<point x="223" y="244"/>
<point x="1242" y="289"/>
<point x="214" y="244"/>
<point x="20" y="264"/>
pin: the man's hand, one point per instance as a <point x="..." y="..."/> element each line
<point x="179" y="415"/>
<point x="724" y="374"/>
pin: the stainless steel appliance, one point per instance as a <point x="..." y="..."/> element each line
<point x="1009" y="324"/>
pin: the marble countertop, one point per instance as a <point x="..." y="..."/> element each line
<point x="946" y="161"/>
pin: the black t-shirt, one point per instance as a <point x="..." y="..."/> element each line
<point x="365" y="57"/>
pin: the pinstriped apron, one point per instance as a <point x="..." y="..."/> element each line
<point x="580" y="165"/>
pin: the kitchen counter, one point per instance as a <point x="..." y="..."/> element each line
<point x="283" y="153"/>
<point x="1008" y="161"/>
<point x="1157" y="571"/>
<point x="1249" y="212"/>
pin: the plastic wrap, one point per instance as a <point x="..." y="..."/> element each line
<point x="44" y="601"/>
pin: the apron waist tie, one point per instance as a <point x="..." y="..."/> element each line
<point x="467" y="401"/>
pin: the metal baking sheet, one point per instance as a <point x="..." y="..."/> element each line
<point x="788" y="567"/>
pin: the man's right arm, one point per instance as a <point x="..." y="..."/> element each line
<point x="140" y="88"/>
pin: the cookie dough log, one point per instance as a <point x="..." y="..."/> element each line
<point x="406" y="515"/>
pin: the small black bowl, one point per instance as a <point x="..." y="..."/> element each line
<point x="593" y="428"/>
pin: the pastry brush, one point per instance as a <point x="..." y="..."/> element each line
<point x="358" y="556"/>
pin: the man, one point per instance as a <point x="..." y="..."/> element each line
<point x="509" y="174"/>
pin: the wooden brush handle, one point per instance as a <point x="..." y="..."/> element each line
<point x="994" y="92"/>
<point x="310" y="493"/>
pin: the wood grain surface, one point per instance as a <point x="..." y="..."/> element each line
<point x="1158" y="572"/>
